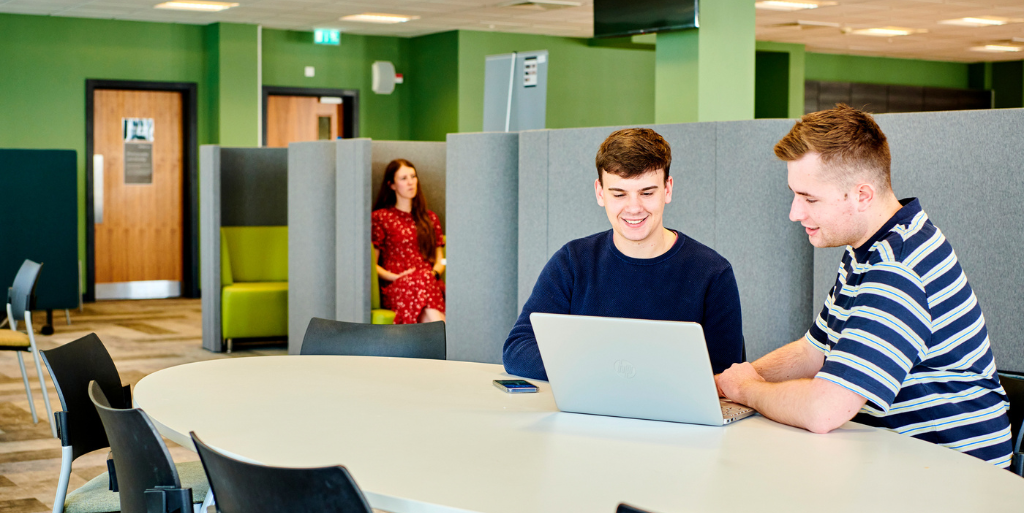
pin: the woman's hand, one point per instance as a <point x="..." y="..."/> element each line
<point x="387" y="275"/>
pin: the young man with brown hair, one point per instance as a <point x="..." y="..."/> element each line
<point x="638" y="269"/>
<point x="901" y="341"/>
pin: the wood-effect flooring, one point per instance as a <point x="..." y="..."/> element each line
<point x="142" y="337"/>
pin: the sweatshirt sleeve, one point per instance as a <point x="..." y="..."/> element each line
<point x="723" y="321"/>
<point x="551" y="294"/>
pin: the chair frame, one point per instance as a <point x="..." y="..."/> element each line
<point x="27" y="319"/>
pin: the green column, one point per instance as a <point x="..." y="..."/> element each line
<point x="707" y="74"/>
<point x="233" y="78"/>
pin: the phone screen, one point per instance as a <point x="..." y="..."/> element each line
<point x="515" y="385"/>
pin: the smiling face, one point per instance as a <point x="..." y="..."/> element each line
<point x="406" y="184"/>
<point x="830" y="216"/>
<point x="635" y="205"/>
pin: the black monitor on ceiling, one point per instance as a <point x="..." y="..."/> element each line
<point x="616" y="18"/>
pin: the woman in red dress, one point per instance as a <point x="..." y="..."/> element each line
<point x="407" y="243"/>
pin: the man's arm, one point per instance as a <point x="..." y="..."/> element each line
<point x="795" y="360"/>
<point x="814" y="404"/>
<point x="551" y="294"/>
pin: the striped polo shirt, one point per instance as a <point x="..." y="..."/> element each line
<point x="903" y="329"/>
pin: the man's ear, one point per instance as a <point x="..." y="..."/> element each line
<point x="599" y="192"/>
<point x="865" y="194"/>
<point x="668" y="190"/>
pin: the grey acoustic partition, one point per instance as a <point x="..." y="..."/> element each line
<point x="238" y="187"/>
<point x="515" y="91"/>
<point x="967" y="169"/>
<point x="482" y="178"/>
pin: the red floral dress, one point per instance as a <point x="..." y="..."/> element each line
<point x="393" y="233"/>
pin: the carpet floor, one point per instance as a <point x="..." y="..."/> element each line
<point x="142" y="337"/>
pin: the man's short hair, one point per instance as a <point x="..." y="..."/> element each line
<point x="633" y="152"/>
<point x="849" y="142"/>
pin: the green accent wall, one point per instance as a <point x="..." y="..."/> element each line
<point x="771" y="85"/>
<point x="286" y="53"/>
<point x="432" y="86"/>
<point x="234" y="94"/>
<point x="42" y="77"/>
<point x="884" y="70"/>
<point x="588" y="85"/>
<point x="794" y="89"/>
<point x="1008" y="84"/>
<point x="707" y="74"/>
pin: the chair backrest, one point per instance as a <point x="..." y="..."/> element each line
<point x="22" y="290"/>
<point x="141" y="459"/>
<point x="72" y="366"/>
<point x="255" y="253"/>
<point x="1014" y="387"/>
<point x="242" y="487"/>
<point x="425" y="340"/>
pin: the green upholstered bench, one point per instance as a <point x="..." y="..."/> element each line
<point x="254" y="282"/>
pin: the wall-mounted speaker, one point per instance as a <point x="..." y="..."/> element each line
<point x="383" y="77"/>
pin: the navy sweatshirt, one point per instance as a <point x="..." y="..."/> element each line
<point x="590" y="276"/>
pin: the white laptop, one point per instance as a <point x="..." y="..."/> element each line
<point x="656" y="370"/>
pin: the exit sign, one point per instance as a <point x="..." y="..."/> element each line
<point x="327" y="37"/>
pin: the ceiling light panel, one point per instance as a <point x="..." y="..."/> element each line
<point x="887" y="31"/>
<point x="195" y="5"/>
<point x="373" y="17"/>
<point x="996" y="48"/>
<point x="980" y="21"/>
<point x="783" y="5"/>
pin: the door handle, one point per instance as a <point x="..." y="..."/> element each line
<point x="97" y="189"/>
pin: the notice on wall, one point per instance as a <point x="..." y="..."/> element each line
<point x="530" y="65"/>
<point x="138" y="150"/>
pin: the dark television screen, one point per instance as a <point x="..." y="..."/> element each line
<point x="627" y="17"/>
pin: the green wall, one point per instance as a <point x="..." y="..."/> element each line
<point x="431" y="82"/>
<point x="884" y="70"/>
<point x="589" y="84"/>
<point x="45" y="61"/>
<point x="286" y="53"/>
<point x="1008" y="84"/>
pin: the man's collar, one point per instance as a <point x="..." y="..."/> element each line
<point x="911" y="207"/>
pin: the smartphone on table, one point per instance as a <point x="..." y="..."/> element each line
<point x="515" y="386"/>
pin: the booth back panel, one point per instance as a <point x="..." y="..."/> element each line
<point x="483" y="177"/>
<point x="254" y="186"/>
<point x="39" y="222"/>
<point x="429" y="159"/>
<point x="237" y="187"/>
<point x="769" y="253"/>
<point x="533" y="211"/>
<point x="353" y="204"/>
<point x="311" y="236"/>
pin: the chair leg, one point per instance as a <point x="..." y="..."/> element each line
<point x="67" y="316"/>
<point x="65" y="475"/>
<point x="28" y="390"/>
<point x="207" y="502"/>
<point x="42" y="377"/>
<point x="229" y="345"/>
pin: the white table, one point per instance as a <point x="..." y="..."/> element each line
<point x="427" y="435"/>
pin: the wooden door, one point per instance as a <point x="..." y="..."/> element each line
<point x="140" y="236"/>
<point x="301" y="118"/>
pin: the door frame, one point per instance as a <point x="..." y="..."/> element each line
<point x="189" y="176"/>
<point x="349" y="105"/>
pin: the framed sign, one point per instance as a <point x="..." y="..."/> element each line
<point x="138" y="150"/>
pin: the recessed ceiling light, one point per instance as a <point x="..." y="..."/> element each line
<point x="996" y="48"/>
<point x="374" y="17"/>
<point x="196" y="6"/>
<point x="981" y="21"/>
<point x="782" y="5"/>
<point x="540" y="5"/>
<point x="887" y="31"/>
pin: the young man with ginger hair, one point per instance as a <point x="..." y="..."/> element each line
<point x="901" y="341"/>
<point x="638" y="269"/>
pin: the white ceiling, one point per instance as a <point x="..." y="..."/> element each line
<point x="940" y="42"/>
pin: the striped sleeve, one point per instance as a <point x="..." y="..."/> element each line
<point x="886" y="329"/>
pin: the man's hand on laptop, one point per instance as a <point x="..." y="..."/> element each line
<point x="731" y="382"/>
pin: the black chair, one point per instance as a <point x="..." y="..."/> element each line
<point x="325" y="337"/>
<point x="72" y="366"/>
<point x="1014" y="387"/>
<point x="242" y="487"/>
<point x="626" y="508"/>
<point x="147" y="479"/>
<point x="20" y="300"/>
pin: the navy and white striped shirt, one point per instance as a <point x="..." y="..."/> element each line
<point x="903" y="329"/>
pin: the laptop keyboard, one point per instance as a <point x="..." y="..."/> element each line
<point x="731" y="409"/>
